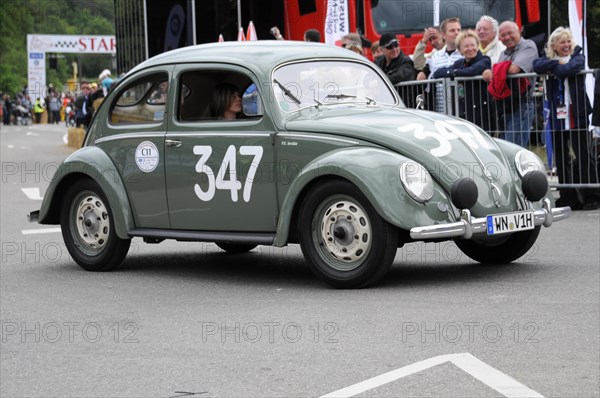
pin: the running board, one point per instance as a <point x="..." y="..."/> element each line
<point x="259" y="238"/>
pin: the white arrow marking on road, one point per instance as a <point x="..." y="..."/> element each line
<point x="32" y="193"/>
<point x="480" y="370"/>
<point x="40" y="231"/>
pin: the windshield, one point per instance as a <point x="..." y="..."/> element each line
<point x="409" y="16"/>
<point x="328" y="82"/>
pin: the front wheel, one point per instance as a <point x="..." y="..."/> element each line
<point x="346" y="243"/>
<point x="501" y="249"/>
<point x="88" y="229"/>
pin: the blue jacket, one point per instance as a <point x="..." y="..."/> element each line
<point x="472" y="94"/>
<point x="555" y="88"/>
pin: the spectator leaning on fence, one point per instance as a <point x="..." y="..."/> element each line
<point x="444" y="57"/>
<point x="472" y="94"/>
<point x="569" y="112"/>
<point x="487" y="32"/>
<point x="518" y="109"/>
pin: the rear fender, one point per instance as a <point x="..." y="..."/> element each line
<point x="93" y="163"/>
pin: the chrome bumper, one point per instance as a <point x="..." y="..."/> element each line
<point x="469" y="226"/>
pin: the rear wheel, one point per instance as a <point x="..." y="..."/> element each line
<point x="235" y="247"/>
<point x="346" y="243"/>
<point x="88" y="229"/>
<point x="501" y="249"/>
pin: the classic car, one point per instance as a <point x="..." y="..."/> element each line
<point x="323" y="153"/>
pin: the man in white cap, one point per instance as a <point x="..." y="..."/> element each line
<point x="105" y="81"/>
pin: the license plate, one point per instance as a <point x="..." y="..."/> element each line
<point x="510" y="222"/>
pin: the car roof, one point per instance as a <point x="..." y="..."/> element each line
<point x="252" y="54"/>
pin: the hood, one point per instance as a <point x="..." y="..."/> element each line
<point x="449" y="148"/>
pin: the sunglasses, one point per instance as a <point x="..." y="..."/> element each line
<point x="393" y="44"/>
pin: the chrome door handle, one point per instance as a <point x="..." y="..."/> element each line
<point x="174" y="143"/>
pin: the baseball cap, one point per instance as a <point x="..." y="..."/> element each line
<point x="388" y="39"/>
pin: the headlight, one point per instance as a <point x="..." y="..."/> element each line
<point x="527" y="161"/>
<point x="417" y="181"/>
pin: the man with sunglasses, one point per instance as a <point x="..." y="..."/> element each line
<point x="394" y="63"/>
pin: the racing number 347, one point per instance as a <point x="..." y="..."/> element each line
<point x="229" y="163"/>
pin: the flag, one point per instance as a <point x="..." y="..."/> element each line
<point x="336" y="21"/>
<point x="221" y="40"/>
<point x="251" y="32"/>
<point x="241" y="36"/>
<point x="577" y="22"/>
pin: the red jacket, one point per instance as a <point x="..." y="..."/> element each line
<point x="498" y="87"/>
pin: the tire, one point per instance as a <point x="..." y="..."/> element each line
<point x="346" y="243"/>
<point x="88" y="230"/>
<point x="235" y="248"/>
<point x="501" y="249"/>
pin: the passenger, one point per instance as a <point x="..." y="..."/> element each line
<point x="569" y="112"/>
<point x="226" y="103"/>
<point x="472" y="94"/>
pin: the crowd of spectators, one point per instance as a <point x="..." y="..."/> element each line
<point x="57" y="106"/>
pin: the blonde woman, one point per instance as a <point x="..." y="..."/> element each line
<point x="472" y="94"/>
<point x="569" y="111"/>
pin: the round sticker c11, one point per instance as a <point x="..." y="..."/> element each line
<point x="146" y="156"/>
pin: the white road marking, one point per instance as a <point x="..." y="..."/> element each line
<point x="32" y="193"/>
<point x="40" y="231"/>
<point x="483" y="372"/>
<point x="66" y="138"/>
<point x="32" y="134"/>
<point x="10" y="146"/>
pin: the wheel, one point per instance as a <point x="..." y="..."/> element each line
<point x="88" y="229"/>
<point x="501" y="249"/>
<point x="346" y="243"/>
<point x="235" y="248"/>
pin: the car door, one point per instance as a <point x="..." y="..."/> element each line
<point x="133" y="133"/>
<point x="219" y="173"/>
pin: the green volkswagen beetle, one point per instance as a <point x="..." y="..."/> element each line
<point x="275" y="143"/>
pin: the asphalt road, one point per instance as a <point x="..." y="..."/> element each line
<point x="178" y="319"/>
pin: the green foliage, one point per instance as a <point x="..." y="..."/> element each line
<point x="70" y="17"/>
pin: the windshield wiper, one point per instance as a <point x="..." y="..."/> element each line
<point x="340" y="96"/>
<point x="370" y="101"/>
<point x="287" y="92"/>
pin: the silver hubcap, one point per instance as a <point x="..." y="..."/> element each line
<point x="92" y="223"/>
<point x="346" y="232"/>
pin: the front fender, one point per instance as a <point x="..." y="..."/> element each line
<point x="89" y="162"/>
<point x="376" y="172"/>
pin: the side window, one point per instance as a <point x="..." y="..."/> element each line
<point x="143" y="101"/>
<point x="210" y="95"/>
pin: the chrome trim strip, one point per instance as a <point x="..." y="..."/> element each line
<point x="316" y="136"/>
<point x="125" y="136"/>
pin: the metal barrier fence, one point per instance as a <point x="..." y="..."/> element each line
<point x="571" y="155"/>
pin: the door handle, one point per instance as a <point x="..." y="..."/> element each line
<point x="173" y="143"/>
